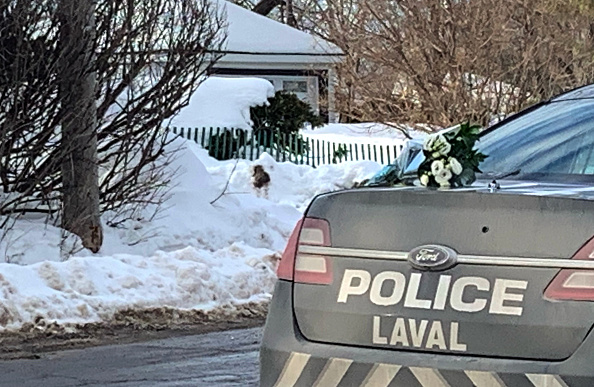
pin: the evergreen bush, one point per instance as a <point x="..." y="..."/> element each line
<point x="276" y="129"/>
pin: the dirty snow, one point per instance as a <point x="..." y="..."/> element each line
<point x="224" y="102"/>
<point x="194" y="255"/>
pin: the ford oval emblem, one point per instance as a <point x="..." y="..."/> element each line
<point x="432" y="257"/>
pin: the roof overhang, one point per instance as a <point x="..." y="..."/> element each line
<point x="288" y="60"/>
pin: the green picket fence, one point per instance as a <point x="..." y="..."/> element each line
<point x="228" y="143"/>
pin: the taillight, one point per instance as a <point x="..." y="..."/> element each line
<point x="307" y="268"/>
<point x="577" y="285"/>
<point x="287" y="262"/>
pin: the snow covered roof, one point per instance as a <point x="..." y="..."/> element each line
<point x="252" y="34"/>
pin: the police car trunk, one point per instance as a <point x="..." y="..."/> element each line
<point x="461" y="272"/>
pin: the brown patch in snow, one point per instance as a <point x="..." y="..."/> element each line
<point x="127" y="326"/>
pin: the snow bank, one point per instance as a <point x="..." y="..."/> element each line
<point x="224" y="102"/>
<point x="292" y="185"/>
<point x="194" y="255"/>
<point x="94" y="288"/>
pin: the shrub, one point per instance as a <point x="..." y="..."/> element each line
<point x="276" y="129"/>
<point x="286" y="114"/>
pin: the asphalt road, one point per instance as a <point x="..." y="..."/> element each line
<point x="227" y="358"/>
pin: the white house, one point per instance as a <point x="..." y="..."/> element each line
<point x="291" y="59"/>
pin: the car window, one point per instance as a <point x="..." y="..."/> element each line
<point x="555" y="140"/>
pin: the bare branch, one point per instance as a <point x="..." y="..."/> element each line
<point x="226" y="184"/>
<point x="149" y="57"/>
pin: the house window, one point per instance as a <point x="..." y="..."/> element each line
<point x="295" y="86"/>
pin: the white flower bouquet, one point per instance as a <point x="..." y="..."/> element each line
<point x="450" y="158"/>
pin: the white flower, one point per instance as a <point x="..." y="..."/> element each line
<point x="437" y="145"/>
<point x="443" y="178"/>
<point x="455" y="166"/>
<point x="428" y="144"/>
<point x="441" y="145"/>
<point x="424" y="180"/>
<point x="436" y="167"/>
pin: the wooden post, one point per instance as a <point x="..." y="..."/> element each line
<point x="299" y="149"/>
<point x="216" y="152"/>
<point x="284" y="146"/>
<point x="266" y="143"/>
<point x="251" y="146"/>
<point x="317" y="160"/>
<point x="334" y="153"/>
<point x="210" y="139"/>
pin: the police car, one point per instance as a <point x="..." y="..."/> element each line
<point x="490" y="285"/>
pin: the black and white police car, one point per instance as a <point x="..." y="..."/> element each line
<point x="479" y="286"/>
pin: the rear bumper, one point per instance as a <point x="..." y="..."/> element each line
<point x="288" y="359"/>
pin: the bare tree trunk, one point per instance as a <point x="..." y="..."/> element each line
<point x="290" y="14"/>
<point x="80" y="186"/>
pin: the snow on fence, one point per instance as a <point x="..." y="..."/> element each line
<point x="228" y="143"/>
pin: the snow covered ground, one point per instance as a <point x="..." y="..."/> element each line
<point x="364" y="133"/>
<point x="193" y="255"/>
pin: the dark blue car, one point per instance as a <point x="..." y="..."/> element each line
<point x="490" y="285"/>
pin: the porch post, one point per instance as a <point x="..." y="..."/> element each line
<point x="332" y="81"/>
